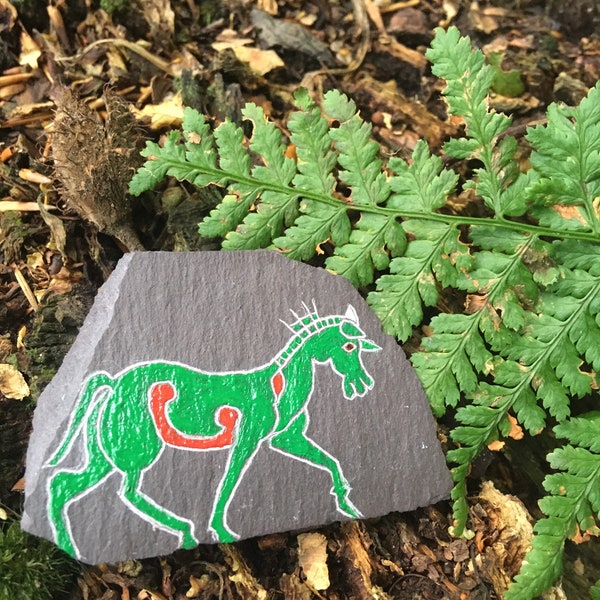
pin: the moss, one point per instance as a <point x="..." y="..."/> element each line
<point x="113" y="6"/>
<point x="32" y="568"/>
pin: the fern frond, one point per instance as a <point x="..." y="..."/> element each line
<point x="567" y="156"/>
<point x="498" y="283"/>
<point x="424" y="185"/>
<point x="159" y="161"/>
<point x="357" y="153"/>
<point x="371" y="242"/>
<point x="318" y="222"/>
<point x="468" y="81"/>
<point x="316" y="160"/>
<point x="412" y="282"/>
<point x="235" y="206"/>
<point x="483" y="423"/>
<point x="542" y="368"/>
<point x="276" y="209"/>
<point x="571" y="507"/>
<point x="434" y="253"/>
<point x="362" y="172"/>
<point x="199" y="149"/>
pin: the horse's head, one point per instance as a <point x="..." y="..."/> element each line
<point x="342" y="346"/>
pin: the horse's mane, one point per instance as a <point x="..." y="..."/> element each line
<point x="310" y="322"/>
<point x="305" y="326"/>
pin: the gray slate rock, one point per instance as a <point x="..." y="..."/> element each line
<point x="194" y="407"/>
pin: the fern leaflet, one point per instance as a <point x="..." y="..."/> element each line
<point x="570" y="507"/>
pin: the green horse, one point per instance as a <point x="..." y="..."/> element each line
<point x="127" y="420"/>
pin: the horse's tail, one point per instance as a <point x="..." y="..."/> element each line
<point x="88" y="398"/>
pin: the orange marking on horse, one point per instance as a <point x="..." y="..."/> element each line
<point x="161" y="394"/>
<point x="277" y="382"/>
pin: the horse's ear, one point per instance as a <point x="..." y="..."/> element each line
<point x="351" y="314"/>
<point x="369" y="346"/>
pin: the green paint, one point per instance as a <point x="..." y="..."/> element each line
<point x="127" y="421"/>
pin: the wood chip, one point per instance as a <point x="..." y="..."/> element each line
<point x="312" y="558"/>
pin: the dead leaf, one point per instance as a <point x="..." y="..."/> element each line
<point x="375" y="15"/>
<point x="12" y="383"/>
<point x="516" y="431"/>
<point x="496" y="446"/>
<point x="161" y="18"/>
<point x="290" y="36"/>
<point x="19" y="485"/>
<point x="6" y="346"/>
<point x="150" y="595"/>
<point x="167" y="114"/>
<point x="57" y="25"/>
<point x="482" y="21"/>
<point x="306" y="19"/>
<point x="26" y="288"/>
<point x="9" y="91"/>
<point x="34" y="177"/>
<point x="260" y="61"/>
<point x="355" y="544"/>
<point x="312" y="558"/>
<point x="116" y="63"/>
<point x="228" y="38"/>
<point x="197" y="585"/>
<point x="30" y="51"/>
<point x="245" y="583"/>
<point x="291" y="587"/>
<point x="269" y="6"/>
<point x="57" y="227"/>
<point x="61" y="283"/>
<point x="20" y="337"/>
<point x="9" y="14"/>
<point x="386" y="7"/>
<point x="451" y="9"/>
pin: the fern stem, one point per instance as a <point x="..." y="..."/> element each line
<point x="221" y="175"/>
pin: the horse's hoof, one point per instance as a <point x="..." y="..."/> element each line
<point x="189" y="542"/>
<point x="222" y="536"/>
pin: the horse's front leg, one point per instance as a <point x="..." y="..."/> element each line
<point x="247" y="442"/>
<point x="294" y="442"/>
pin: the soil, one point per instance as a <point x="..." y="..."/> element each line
<point x="82" y="86"/>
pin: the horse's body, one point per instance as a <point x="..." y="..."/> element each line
<point x="127" y="421"/>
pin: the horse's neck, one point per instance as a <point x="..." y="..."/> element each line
<point x="298" y="375"/>
<point x="305" y="336"/>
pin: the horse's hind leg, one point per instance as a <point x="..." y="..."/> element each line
<point x="157" y="515"/>
<point x="66" y="486"/>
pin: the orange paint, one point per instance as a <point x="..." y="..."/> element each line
<point x="161" y="394"/>
<point x="277" y="383"/>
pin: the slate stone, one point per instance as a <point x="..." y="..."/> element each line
<point x="195" y="407"/>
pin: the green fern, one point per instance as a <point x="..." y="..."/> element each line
<point x="570" y="507"/>
<point x="527" y="344"/>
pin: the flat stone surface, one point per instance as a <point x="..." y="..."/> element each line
<point x="195" y="407"/>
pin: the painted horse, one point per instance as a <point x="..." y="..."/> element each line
<point x="127" y="420"/>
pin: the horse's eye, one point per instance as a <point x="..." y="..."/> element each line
<point x="348" y="347"/>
